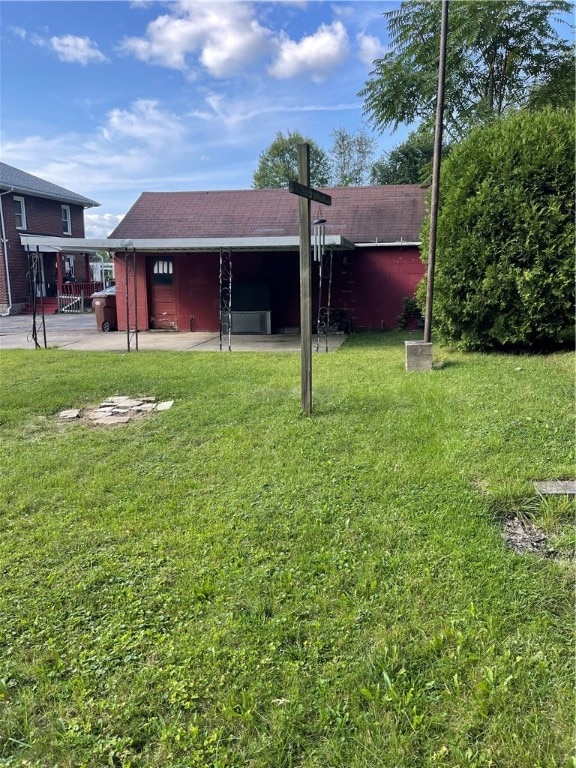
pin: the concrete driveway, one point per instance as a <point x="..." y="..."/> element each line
<point x="80" y="332"/>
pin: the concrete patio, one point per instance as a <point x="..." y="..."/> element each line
<point x="79" y="332"/>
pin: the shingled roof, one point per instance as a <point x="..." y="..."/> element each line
<point x="19" y="181"/>
<point x="360" y="214"/>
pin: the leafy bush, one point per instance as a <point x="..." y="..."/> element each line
<point x="505" y="246"/>
<point x="410" y="313"/>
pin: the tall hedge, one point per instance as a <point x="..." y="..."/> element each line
<point x="504" y="275"/>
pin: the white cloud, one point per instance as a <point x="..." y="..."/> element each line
<point x="98" y="225"/>
<point x="145" y="122"/>
<point x="19" y="32"/>
<point x="77" y="50"/>
<point x="315" y="55"/>
<point x="168" y="40"/>
<point x="230" y="112"/>
<point x="369" y="49"/>
<point x="223" y="37"/>
<point x="132" y="146"/>
<point x="232" y="48"/>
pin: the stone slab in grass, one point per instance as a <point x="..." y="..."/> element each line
<point x="124" y="402"/>
<point x="107" y="421"/>
<point x="69" y="413"/>
<point x="119" y="409"/>
<point x="556" y="487"/>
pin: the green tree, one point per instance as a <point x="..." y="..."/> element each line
<point x="408" y="163"/>
<point x="558" y="90"/>
<point x="351" y="157"/>
<point x="278" y="164"/>
<point x="497" y="53"/>
<point x="506" y="236"/>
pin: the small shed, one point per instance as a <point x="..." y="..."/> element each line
<point x="176" y="243"/>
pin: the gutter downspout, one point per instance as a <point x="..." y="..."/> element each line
<point x="5" y="249"/>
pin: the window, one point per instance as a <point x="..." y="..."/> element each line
<point x="162" y="272"/>
<point x="66" y="220"/>
<point x="20" y="212"/>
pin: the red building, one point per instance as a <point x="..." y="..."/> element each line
<point x="32" y="206"/>
<point x="169" y="270"/>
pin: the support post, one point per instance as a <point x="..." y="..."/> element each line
<point x="127" y="296"/>
<point x="59" y="274"/>
<point x="135" y="299"/>
<point x="305" y="283"/>
<point x="226" y="297"/>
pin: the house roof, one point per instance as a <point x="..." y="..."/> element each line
<point x="383" y="214"/>
<point x="16" y="180"/>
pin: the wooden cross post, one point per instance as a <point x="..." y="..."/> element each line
<point x="306" y="194"/>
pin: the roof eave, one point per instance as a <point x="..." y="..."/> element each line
<point x="85" y="202"/>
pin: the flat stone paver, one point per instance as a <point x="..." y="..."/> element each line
<point x="113" y="419"/>
<point x="69" y="413"/>
<point x="119" y="409"/>
<point x="556" y="487"/>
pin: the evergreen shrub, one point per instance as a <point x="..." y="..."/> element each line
<point x="504" y="275"/>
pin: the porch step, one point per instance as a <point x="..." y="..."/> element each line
<point x="50" y="307"/>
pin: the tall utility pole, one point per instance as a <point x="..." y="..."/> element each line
<point x="436" y="173"/>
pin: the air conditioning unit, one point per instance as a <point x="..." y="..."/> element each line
<point x="252" y="322"/>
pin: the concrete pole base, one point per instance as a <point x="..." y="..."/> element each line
<point x="418" y="355"/>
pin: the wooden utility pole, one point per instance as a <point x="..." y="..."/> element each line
<point x="306" y="194"/>
<point x="436" y="174"/>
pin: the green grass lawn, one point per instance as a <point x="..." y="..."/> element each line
<point x="230" y="584"/>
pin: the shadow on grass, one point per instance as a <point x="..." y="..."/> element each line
<point x="386" y="341"/>
<point x="380" y="339"/>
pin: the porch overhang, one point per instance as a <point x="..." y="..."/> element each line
<point x="178" y="244"/>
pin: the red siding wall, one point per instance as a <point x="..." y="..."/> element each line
<point x="382" y="278"/>
<point x="368" y="285"/>
<point x="196" y="288"/>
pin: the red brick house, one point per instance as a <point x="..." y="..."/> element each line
<point x="32" y="206"/>
<point x="174" y="243"/>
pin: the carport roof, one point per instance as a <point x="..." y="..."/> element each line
<point x="185" y="244"/>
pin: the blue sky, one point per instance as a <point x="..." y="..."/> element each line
<point x="111" y="99"/>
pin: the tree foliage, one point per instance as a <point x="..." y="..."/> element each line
<point x="506" y="236"/>
<point x="408" y="163"/>
<point x="351" y="158"/>
<point x="497" y="53"/>
<point x="558" y="89"/>
<point x="278" y="164"/>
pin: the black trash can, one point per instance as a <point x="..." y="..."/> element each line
<point x="104" y="303"/>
